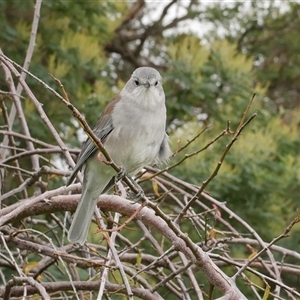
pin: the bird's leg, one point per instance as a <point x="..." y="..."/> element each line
<point x="121" y="174"/>
<point x="140" y="192"/>
<point x="139" y="195"/>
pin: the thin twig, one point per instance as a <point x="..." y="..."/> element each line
<point x="9" y="63"/>
<point x="32" y="42"/>
<point x="216" y="170"/>
<point x="187" y="156"/>
<point x="267" y="247"/>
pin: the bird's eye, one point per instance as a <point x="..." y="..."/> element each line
<point x="156" y="83"/>
<point x="136" y="82"/>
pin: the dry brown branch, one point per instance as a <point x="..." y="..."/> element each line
<point x="175" y="244"/>
<point x="53" y="288"/>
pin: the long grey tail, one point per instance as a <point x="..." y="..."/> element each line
<point x="85" y="209"/>
<point x="82" y="218"/>
<point x="97" y="179"/>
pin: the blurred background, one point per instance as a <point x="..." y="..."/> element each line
<point x="213" y="55"/>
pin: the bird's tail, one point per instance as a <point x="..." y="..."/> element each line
<point x="82" y="218"/>
<point x="93" y="186"/>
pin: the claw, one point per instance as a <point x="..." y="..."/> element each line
<point x="120" y="174"/>
<point x="140" y="194"/>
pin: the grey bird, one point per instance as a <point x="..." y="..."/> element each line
<point x="132" y="128"/>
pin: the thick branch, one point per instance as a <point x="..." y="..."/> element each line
<point x="149" y="217"/>
<point x="54" y="287"/>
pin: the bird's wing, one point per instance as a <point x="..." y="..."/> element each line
<point x="103" y="128"/>
<point x="165" y="152"/>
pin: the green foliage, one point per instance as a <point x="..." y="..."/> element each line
<point x="268" y="33"/>
<point x="251" y="178"/>
<point x="204" y="80"/>
<point x="70" y="46"/>
<point x="207" y="83"/>
<point x="260" y="175"/>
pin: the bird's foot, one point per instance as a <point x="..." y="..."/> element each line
<point x="120" y="175"/>
<point x="139" y="195"/>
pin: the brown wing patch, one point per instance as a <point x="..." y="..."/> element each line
<point x="110" y="106"/>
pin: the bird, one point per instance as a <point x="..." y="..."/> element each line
<point x="132" y="128"/>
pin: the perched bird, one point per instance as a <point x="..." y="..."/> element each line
<point x="132" y="128"/>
